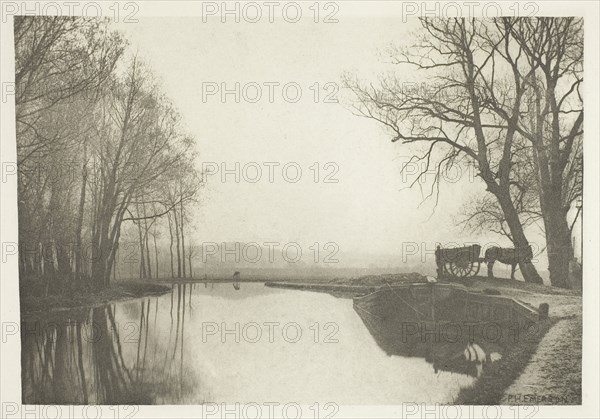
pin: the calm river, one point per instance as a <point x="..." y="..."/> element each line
<point x="213" y="343"/>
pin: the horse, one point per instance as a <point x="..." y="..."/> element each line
<point x="508" y="256"/>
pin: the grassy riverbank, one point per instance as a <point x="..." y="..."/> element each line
<point x="34" y="298"/>
<point x="545" y="366"/>
<point x="490" y="387"/>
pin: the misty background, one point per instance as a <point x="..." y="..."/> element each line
<point x="375" y="220"/>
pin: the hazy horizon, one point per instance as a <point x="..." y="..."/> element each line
<point x="370" y="206"/>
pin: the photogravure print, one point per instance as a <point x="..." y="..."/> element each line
<point x="295" y="209"/>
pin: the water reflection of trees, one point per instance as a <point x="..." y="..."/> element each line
<point x="86" y="356"/>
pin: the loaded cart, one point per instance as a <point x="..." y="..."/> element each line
<point x="460" y="262"/>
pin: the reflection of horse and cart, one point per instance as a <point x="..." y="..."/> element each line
<point x="462" y="262"/>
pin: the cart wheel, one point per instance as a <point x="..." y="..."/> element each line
<point x="463" y="269"/>
<point x="476" y="267"/>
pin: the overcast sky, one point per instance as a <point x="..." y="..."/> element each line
<point x="366" y="211"/>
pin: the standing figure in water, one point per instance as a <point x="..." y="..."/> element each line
<point x="236" y="280"/>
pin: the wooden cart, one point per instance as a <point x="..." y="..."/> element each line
<point x="459" y="262"/>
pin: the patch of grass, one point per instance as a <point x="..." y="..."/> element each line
<point x="35" y="299"/>
<point x="491" y="385"/>
<point x="483" y="281"/>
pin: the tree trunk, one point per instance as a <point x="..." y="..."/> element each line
<point x="155" y="251"/>
<point x="102" y="247"/>
<point x="558" y="243"/>
<point x="178" y="243"/>
<point x="182" y="241"/>
<point x="171" y="244"/>
<point x="552" y="153"/>
<point x="78" y="244"/>
<point x="106" y="236"/>
<point x="190" y="262"/>
<point x="559" y="256"/>
<point x="114" y="245"/>
<point x="520" y="242"/>
<point x="141" y="239"/>
<point x="146" y="229"/>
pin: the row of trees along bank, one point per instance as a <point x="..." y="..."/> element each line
<point x="100" y="149"/>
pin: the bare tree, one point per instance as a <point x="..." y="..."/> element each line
<point x="502" y="95"/>
<point x="553" y="51"/>
<point x="451" y="115"/>
<point x="137" y="146"/>
<point x="95" y="148"/>
<point x="61" y="65"/>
